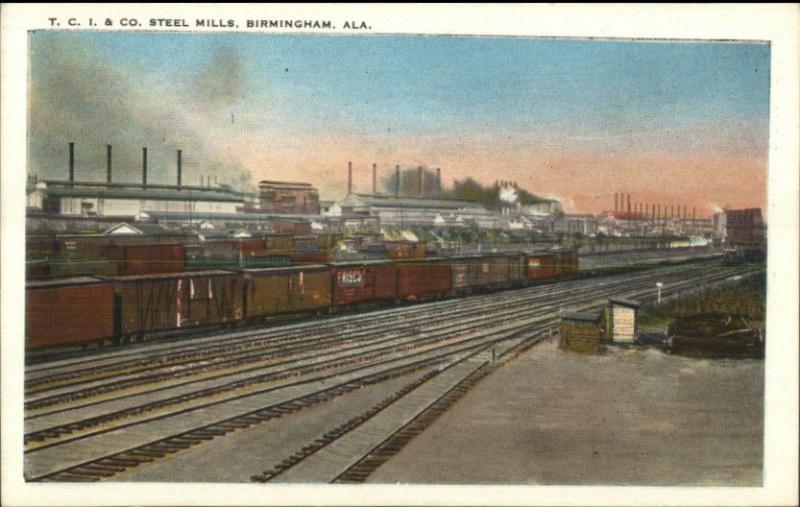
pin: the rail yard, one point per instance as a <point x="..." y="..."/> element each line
<point x="318" y="400"/>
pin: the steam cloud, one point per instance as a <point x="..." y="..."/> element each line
<point x="77" y="96"/>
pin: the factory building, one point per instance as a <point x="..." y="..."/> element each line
<point x="395" y="211"/>
<point x="745" y="228"/>
<point x="289" y="198"/>
<point x="93" y="199"/>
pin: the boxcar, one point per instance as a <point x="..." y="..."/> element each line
<point x="152" y="303"/>
<point x="487" y="272"/>
<point x="363" y="281"/>
<point x="421" y="279"/>
<point x="276" y="291"/>
<point x="541" y="266"/>
<point x="147" y="258"/>
<point x="69" y="311"/>
<point x="566" y="262"/>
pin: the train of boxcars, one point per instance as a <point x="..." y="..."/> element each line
<point x="86" y="310"/>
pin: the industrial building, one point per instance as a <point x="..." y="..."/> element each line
<point x="93" y="199"/>
<point x="394" y="211"/>
<point x="745" y="227"/>
<point x="288" y="197"/>
<point x="72" y="197"/>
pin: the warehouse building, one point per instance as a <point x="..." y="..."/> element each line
<point x="93" y="199"/>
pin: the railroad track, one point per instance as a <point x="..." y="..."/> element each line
<point x="40" y="380"/>
<point x="264" y="347"/>
<point x="109" y="465"/>
<point x="441" y="335"/>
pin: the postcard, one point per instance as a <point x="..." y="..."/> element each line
<point x="408" y="254"/>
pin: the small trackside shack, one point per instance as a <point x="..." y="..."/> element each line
<point x="622" y="325"/>
<point x="582" y="332"/>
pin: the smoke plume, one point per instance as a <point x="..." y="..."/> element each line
<point x="78" y="96"/>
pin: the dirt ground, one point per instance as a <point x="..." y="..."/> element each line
<point x="629" y="417"/>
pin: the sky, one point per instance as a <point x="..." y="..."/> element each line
<point x="682" y="123"/>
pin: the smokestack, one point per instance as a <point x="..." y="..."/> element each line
<point x="179" y="167"/>
<point x="349" y="178"/>
<point x="616" y="199"/>
<point x="71" y="162"/>
<point x="397" y="181"/>
<point x="629" y="203"/>
<point x="144" y="166"/>
<point x="374" y="178"/>
<point x="108" y="163"/>
<point x="438" y="179"/>
<point x="694" y="214"/>
<point x="684" y="212"/>
<point x="419" y="178"/>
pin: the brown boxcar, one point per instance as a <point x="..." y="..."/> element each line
<point x="420" y="279"/>
<point x="565" y="261"/>
<point x="488" y="272"/>
<point x="363" y="281"/>
<point x="541" y="266"/>
<point x="68" y="311"/>
<point x="275" y="291"/>
<point x="405" y="250"/>
<point x="159" y="302"/>
<point x="147" y="258"/>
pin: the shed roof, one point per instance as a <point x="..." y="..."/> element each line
<point x="592" y="317"/>
<point x="625" y="302"/>
<point x="155" y="194"/>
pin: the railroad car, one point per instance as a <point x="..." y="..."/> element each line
<point x="162" y="302"/>
<point x="141" y="259"/>
<point x="277" y="291"/>
<point x="421" y="279"/>
<point x="541" y="266"/>
<point x="357" y="282"/>
<point x="476" y="273"/>
<point x="565" y="262"/>
<point x="69" y="311"/>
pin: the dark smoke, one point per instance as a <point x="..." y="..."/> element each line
<point x="221" y="82"/>
<point x="78" y="96"/>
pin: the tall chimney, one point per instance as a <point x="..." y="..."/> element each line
<point x="397" y="181"/>
<point x="438" y="180"/>
<point x="71" y="162"/>
<point x="108" y="163"/>
<point x="349" y="178"/>
<point x="629" y="203"/>
<point x="374" y="178"/>
<point x="179" y="167"/>
<point x="694" y="214"/>
<point x="419" y="178"/>
<point x="144" y="166"/>
<point x="616" y="199"/>
<point x="684" y="212"/>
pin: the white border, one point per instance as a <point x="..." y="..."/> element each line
<point x="777" y="24"/>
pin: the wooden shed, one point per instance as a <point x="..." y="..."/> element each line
<point x="622" y="326"/>
<point x="583" y="332"/>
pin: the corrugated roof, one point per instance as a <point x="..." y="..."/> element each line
<point x="254" y="217"/>
<point x="143" y="194"/>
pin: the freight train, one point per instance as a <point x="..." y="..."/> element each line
<point x="115" y="309"/>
